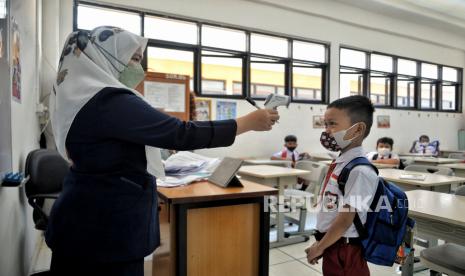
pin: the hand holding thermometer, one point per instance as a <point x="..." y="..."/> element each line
<point x="272" y="101"/>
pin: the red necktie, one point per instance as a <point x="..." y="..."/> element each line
<point x="328" y="176"/>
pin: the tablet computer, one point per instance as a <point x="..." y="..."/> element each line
<point x="225" y="174"/>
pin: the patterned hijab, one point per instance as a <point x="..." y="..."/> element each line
<point x="91" y="61"/>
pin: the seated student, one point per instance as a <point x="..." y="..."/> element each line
<point x="348" y="122"/>
<point x="424" y="146"/>
<point x="383" y="153"/>
<point x="290" y="153"/>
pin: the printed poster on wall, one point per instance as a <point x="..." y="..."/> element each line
<point x="15" y="61"/>
<point x="203" y="109"/>
<point x="225" y="110"/>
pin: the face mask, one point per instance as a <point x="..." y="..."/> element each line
<point x="424" y="144"/>
<point x="132" y="75"/>
<point x="291" y="148"/>
<point x="335" y="142"/>
<point x="384" y="151"/>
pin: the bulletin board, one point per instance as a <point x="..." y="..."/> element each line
<point x="168" y="93"/>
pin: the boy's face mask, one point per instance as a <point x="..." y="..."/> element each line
<point x="132" y="75"/>
<point x="384" y="151"/>
<point x="335" y="142"/>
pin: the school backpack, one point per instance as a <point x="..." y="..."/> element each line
<point x="386" y="224"/>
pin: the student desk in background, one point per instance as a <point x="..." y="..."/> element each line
<point x="432" y="182"/>
<point x="437" y="215"/>
<point x="377" y="165"/>
<point x="209" y="230"/>
<point x="446" y="152"/>
<point x="434" y="161"/>
<point x="282" y="163"/>
<point x="277" y="177"/>
<point x="412" y="154"/>
<point x="458" y="168"/>
<point x="322" y="156"/>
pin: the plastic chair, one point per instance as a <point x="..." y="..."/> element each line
<point x="46" y="170"/>
<point x="430" y="169"/>
<point x="315" y="178"/>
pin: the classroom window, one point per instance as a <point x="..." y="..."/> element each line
<point x="428" y="95"/>
<point x="170" y="61"/>
<point x="223" y="38"/>
<point x="350" y="83"/>
<point x="225" y="67"/>
<point x="381" y="63"/>
<point x="266" y="76"/>
<point x="308" y="51"/>
<point x="2" y="9"/>
<point x="405" y="93"/>
<point x="449" y="93"/>
<point x="268" y="45"/>
<point x="429" y="71"/>
<point x="449" y="74"/>
<point x="353" y="58"/>
<point x="307" y="82"/>
<point x="380" y="90"/>
<point x="406" y="67"/>
<point x="170" y="30"/>
<point x="90" y="17"/>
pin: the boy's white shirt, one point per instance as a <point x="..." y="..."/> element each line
<point x="361" y="186"/>
<point x="370" y="156"/>
<point x="289" y="154"/>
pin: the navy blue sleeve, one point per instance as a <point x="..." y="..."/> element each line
<point x="128" y="117"/>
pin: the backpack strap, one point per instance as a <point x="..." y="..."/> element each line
<point x="341" y="181"/>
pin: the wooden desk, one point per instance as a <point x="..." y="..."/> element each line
<point x="377" y="165"/>
<point x="276" y="177"/>
<point x="282" y="163"/>
<point x="434" y="161"/>
<point x="459" y="168"/>
<point x="432" y="182"/>
<point x="438" y="215"/>
<point x="209" y="230"/>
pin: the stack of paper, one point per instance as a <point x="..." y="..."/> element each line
<point x="186" y="167"/>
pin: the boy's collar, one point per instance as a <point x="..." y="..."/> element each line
<point x="349" y="155"/>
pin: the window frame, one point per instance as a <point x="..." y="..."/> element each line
<point x="244" y="55"/>
<point x="418" y="80"/>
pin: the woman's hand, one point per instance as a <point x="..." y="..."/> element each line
<point x="259" y="120"/>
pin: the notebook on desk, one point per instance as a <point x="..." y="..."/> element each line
<point x="225" y="174"/>
<point x="413" y="176"/>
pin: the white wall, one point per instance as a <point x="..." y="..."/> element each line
<point x="336" y="23"/>
<point x="17" y="234"/>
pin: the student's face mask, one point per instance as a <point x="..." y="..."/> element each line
<point x="384" y="151"/>
<point x="424" y="144"/>
<point x="132" y="75"/>
<point x="335" y="142"/>
<point x="291" y="148"/>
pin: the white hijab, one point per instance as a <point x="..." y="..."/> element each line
<point x="83" y="73"/>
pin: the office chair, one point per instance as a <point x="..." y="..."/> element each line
<point x="46" y="170"/>
<point x="430" y="169"/>
<point x="315" y="178"/>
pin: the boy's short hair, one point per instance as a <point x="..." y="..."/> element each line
<point x="424" y="137"/>
<point x="359" y="108"/>
<point x="385" y="140"/>
<point x="290" y="138"/>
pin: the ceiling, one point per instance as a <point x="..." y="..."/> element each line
<point x="444" y="14"/>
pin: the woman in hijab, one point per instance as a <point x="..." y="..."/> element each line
<point x="106" y="219"/>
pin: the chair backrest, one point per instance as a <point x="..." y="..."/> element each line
<point x="318" y="173"/>
<point x="46" y="170"/>
<point x="430" y="169"/>
<point x="456" y="155"/>
<point x="460" y="191"/>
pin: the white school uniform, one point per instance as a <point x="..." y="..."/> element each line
<point x="288" y="155"/>
<point x="370" y="156"/>
<point x="361" y="186"/>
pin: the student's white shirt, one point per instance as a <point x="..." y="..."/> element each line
<point x="370" y="156"/>
<point x="289" y="154"/>
<point x="360" y="187"/>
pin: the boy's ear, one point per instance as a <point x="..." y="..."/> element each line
<point x="361" y="128"/>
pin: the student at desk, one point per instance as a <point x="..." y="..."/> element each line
<point x="383" y="153"/>
<point x="105" y="220"/>
<point x="424" y="146"/>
